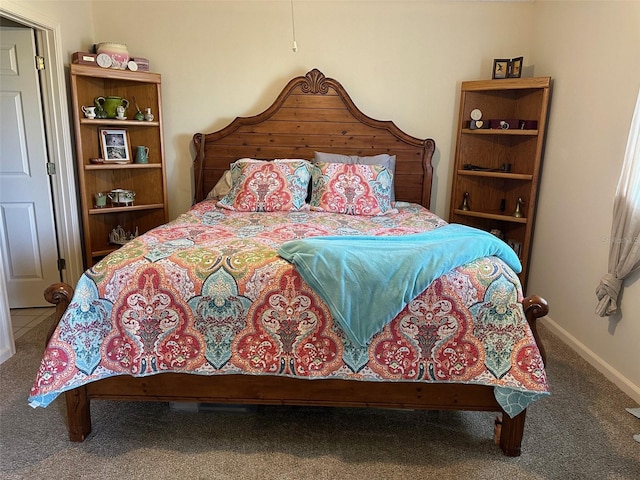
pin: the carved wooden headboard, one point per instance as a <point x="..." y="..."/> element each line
<point x="314" y="113"/>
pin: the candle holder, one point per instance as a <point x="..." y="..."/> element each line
<point x="465" y="202"/>
<point x="518" y="211"/>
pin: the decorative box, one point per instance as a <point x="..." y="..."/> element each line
<point x="84" y="58"/>
<point x="143" y="63"/>
<point x="528" y="124"/>
<point x="505" y="124"/>
<point x="478" y="124"/>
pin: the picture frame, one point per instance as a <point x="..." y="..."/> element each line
<point x="515" y="67"/>
<point x="115" y="145"/>
<point x="516" y="246"/>
<point x="500" y="68"/>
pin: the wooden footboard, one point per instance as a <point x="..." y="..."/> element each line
<point x="271" y="390"/>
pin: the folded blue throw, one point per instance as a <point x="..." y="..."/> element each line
<point x="366" y="281"/>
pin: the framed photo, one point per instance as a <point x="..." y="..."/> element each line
<point x="517" y="246"/>
<point x="500" y="68"/>
<point x="114" y="144"/>
<point x="515" y="67"/>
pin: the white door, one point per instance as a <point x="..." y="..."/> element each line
<point x="27" y="230"/>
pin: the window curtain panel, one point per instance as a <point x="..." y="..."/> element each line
<point x="624" y="250"/>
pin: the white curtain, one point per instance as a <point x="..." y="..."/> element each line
<point x="624" y="250"/>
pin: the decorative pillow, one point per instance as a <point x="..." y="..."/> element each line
<point x="261" y="186"/>
<point x="351" y="188"/>
<point x="388" y="161"/>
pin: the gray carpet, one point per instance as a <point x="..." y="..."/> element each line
<point x="581" y="432"/>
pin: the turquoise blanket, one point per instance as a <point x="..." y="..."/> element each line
<point x="366" y="281"/>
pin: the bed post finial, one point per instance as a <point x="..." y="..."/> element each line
<point x="315" y="82"/>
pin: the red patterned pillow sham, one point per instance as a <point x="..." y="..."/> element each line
<point x="353" y="189"/>
<point x="268" y="186"/>
<point x="383" y="159"/>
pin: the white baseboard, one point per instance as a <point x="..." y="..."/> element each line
<point x="613" y="375"/>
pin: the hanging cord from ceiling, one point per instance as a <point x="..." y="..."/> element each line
<point x="294" y="45"/>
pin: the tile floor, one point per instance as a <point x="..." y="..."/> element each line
<point x="24" y="319"/>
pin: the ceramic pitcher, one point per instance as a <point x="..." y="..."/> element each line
<point x="89" y="112"/>
<point x="142" y="154"/>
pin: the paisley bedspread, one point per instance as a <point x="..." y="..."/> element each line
<point x="207" y="294"/>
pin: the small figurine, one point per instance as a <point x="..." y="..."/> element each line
<point x="497" y="233"/>
<point x="100" y="113"/>
<point x="119" y="237"/>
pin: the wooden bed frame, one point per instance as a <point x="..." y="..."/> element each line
<point x="312" y="113"/>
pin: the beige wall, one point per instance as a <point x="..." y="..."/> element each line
<point x="73" y="20"/>
<point x="399" y="60"/>
<point x="593" y="52"/>
<point x="404" y="60"/>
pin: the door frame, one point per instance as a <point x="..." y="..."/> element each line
<point x="58" y="134"/>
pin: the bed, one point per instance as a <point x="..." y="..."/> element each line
<point x="227" y="303"/>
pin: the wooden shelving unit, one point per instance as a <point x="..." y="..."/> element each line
<point x="149" y="208"/>
<point x="493" y="191"/>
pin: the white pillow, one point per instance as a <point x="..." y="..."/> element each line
<point x="222" y="187"/>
